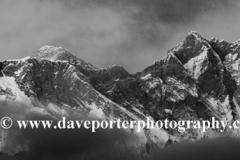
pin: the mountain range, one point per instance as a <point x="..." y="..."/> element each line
<point x="198" y="79"/>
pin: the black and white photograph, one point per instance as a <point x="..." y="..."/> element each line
<point x="119" y="80"/>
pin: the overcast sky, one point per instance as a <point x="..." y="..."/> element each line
<point x="131" y="33"/>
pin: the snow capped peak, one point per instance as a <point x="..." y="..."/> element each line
<point x="193" y="37"/>
<point x="51" y="49"/>
<point x="194" y="33"/>
<point x="53" y="53"/>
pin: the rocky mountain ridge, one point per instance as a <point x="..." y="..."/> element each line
<point x="198" y="79"/>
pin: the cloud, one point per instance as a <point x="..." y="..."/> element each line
<point x="109" y="144"/>
<point x="132" y="33"/>
<point x="60" y="144"/>
<point x="51" y="144"/>
<point x="75" y="144"/>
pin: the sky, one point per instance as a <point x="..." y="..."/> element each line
<point x="131" y="33"/>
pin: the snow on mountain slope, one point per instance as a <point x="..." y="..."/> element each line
<point x="196" y="65"/>
<point x="61" y="90"/>
<point x="196" y="80"/>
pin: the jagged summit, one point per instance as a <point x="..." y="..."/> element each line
<point x="191" y="46"/>
<point x="192" y="40"/>
<point x="194" y="33"/>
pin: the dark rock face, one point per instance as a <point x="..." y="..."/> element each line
<point x="190" y="47"/>
<point x="196" y="80"/>
<point x="57" y="82"/>
<point x="192" y="82"/>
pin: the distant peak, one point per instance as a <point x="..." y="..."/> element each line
<point x="221" y="42"/>
<point x="51" y="50"/>
<point x="53" y="53"/>
<point x="116" y="68"/>
<point x="193" y="33"/>
<point x="214" y="40"/>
